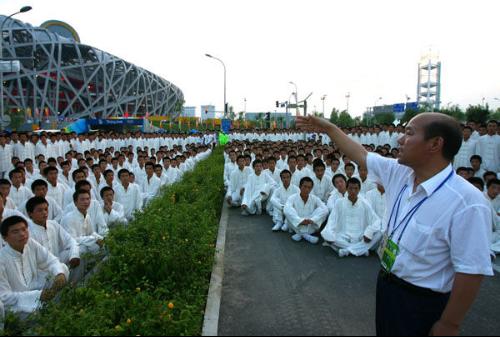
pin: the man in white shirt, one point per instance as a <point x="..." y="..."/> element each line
<point x="340" y="191"/>
<point x="56" y="189"/>
<point x="257" y="190"/>
<point x="353" y="227"/>
<point x="230" y="167"/>
<point x="88" y="229"/>
<point x="128" y="194"/>
<point x="279" y="199"/>
<point x="378" y="201"/>
<point x="488" y="147"/>
<point x="18" y="192"/>
<point x="40" y="189"/>
<point x="367" y="184"/>
<point x="6" y="154"/>
<point x="23" y="262"/>
<point x="467" y="150"/>
<point x="273" y="171"/>
<point x="5" y="187"/>
<point x="239" y="178"/>
<point x="445" y="253"/>
<point x="305" y="213"/>
<point x="301" y="172"/>
<point x="114" y="213"/>
<point x="323" y="185"/>
<point x="150" y="185"/>
<point x="50" y="234"/>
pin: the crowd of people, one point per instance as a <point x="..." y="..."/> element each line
<point x="312" y="190"/>
<point x="60" y="194"/>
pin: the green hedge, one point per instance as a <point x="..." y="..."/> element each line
<point x="158" y="273"/>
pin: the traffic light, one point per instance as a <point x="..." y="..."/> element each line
<point x="268" y="116"/>
<point x="277" y="104"/>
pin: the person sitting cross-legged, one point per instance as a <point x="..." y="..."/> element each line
<point x="257" y="190"/>
<point x="23" y="263"/>
<point x="305" y="213"/>
<point x="279" y="199"/>
<point x="353" y="227"/>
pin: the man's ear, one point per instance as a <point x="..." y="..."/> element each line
<point x="435" y="145"/>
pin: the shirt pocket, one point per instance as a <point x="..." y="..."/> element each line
<point x="416" y="240"/>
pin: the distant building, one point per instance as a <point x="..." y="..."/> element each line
<point x="189" y="111"/>
<point x="208" y="112"/>
<point x="254" y="116"/>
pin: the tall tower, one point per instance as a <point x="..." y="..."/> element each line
<point x="429" y="81"/>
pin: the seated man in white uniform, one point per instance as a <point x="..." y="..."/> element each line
<point x="22" y="263"/>
<point x="340" y="191"/>
<point x="114" y="213"/>
<point x="301" y="171"/>
<point x="279" y="199"/>
<point x="5" y="186"/>
<point x="305" y="213"/>
<point x="128" y="194"/>
<point x="353" y="227"/>
<point x="18" y="192"/>
<point x="378" y="201"/>
<point x="86" y="228"/>
<point x="237" y="183"/>
<point x="7" y="213"/>
<point x="493" y="196"/>
<point x="323" y="185"/>
<point x="150" y="185"/>
<point x="40" y="189"/>
<point x="257" y="190"/>
<point x="50" y="234"/>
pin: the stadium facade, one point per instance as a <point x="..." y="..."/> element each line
<point x="60" y="78"/>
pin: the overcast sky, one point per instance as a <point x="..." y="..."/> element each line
<point x="368" y="48"/>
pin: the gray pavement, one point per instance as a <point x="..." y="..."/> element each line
<point x="274" y="286"/>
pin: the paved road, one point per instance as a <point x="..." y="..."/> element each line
<point x="273" y="286"/>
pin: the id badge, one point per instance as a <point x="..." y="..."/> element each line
<point x="391" y="252"/>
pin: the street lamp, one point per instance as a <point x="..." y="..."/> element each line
<point x="225" y="78"/>
<point x="323" y="98"/>
<point x="22" y="10"/>
<point x="296" y="96"/>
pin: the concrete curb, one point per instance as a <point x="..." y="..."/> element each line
<point x="211" y="321"/>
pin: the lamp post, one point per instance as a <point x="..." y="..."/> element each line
<point x="296" y="96"/>
<point x="22" y="10"/>
<point x="225" y="81"/>
<point x="323" y="98"/>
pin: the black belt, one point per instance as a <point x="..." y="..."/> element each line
<point x="391" y="278"/>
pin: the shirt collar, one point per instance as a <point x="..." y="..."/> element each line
<point x="430" y="185"/>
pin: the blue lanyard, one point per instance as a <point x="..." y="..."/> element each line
<point x="412" y="212"/>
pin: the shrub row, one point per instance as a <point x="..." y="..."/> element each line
<point x="156" y="279"/>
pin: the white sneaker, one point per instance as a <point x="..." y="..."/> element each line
<point x="277" y="227"/>
<point x="297" y="237"/>
<point x="343" y="253"/>
<point x="311" y="239"/>
<point x="367" y="254"/>
<point x="284" y="228"/>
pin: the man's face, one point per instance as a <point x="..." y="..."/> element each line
<point x="83" y="202"/>
<point x="108" y="197"/>
<point x="292" y="163"/>
<point x="494" y="191"/>
<point x="301" y="163"/>
<point x="464" y="174"/>
<point x="476" y="164"/>
<point x="335" y="165"/>
<point x="349" y="171"/>
<point x="467" y="134"/>
<point x="5" y="191"/>
<point x="241" y="163"/>
<point x="258" y="169"/>
<point x="17" y="236"/>
<point x="492" y="129"/>
<point x="150" y="171"/>
<point x="340" y="185"/>
<point x="41" y="191"/>
<point x="158" y="172"/>
<point x="79" y="177"/>
<point x="306" y="189"/>
<point x="353" y="191"/>
<point x="109" y="178"/>
<point x="40" y="214"/>
<point x="17" y="179"/>
<point x="413" y="146"/>
<point x="125" y="179"/>
<point x="320" y="172"/>
<point x="363" y="173"/>
<point x="272" y="165"/>
<point x="286" y="179"/>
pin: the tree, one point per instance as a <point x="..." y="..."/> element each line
<point x="409" y="115"/>
<point x="385" y="118"/>
<point x="179" y="107"/>
<point x="496" y="115"/>
<point x="334" y="118"/>
<point x="478" y="113"/>
<point x="455" y="112"/>
<point x="345" y="120"/>
<point x="241" y="116"/>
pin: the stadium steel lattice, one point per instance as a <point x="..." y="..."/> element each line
<point x="62" y="78"/>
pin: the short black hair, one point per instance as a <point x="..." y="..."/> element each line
<point x="11" y="221"/>
<point x="493" y="182"/>
<point x="34" y="202"/>
<point x="39" y="183"/>
<point x="5" y="182"/>
<point x="256" y="162"/>
<point x="339" y="176"/>
<point x="49" y="169"/>
<point x="489" y="173"/>
<point x="285" y="172"/>
<point x="318" y="163"/>
<point x="354" y="181"/>
<point x="450" y="131"/>
<point x="78" y="193"/>
<point x="108" y="172"/>
<point x="15" y="171"/>
<point x="477" y="181"/>
<point x="350" y="165"/>
<point x="122" y="172"/>
<point x="149" y="163"/>
<point x="306" y="180"/>
<point x="106" y="189"/>
<point x="476" y="157"/>
<point x="82" y="183"/>
<point x="75" y="172"/>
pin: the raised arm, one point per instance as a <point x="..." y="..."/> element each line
<point x="352" y="149"/>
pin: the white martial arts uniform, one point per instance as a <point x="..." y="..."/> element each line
<point x="22" y="276"/>
<point x="116" y="216"/>
<point x="467" y="150"/>
<point x="55" y="211"/>
<point x="239" y="179"/>
<point x="257" y="190"/>
<point x="279" y="199"/>
<point x="130" y="198"/>
<point x="296" y="211"/>
<point x="322" y="188"/>
<point x="86" y="230"/>
<point x="20" y="195"/>
<point x="56" y="239"/>
<point x="488" y="147"/>
<point x="150" y="188"/>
